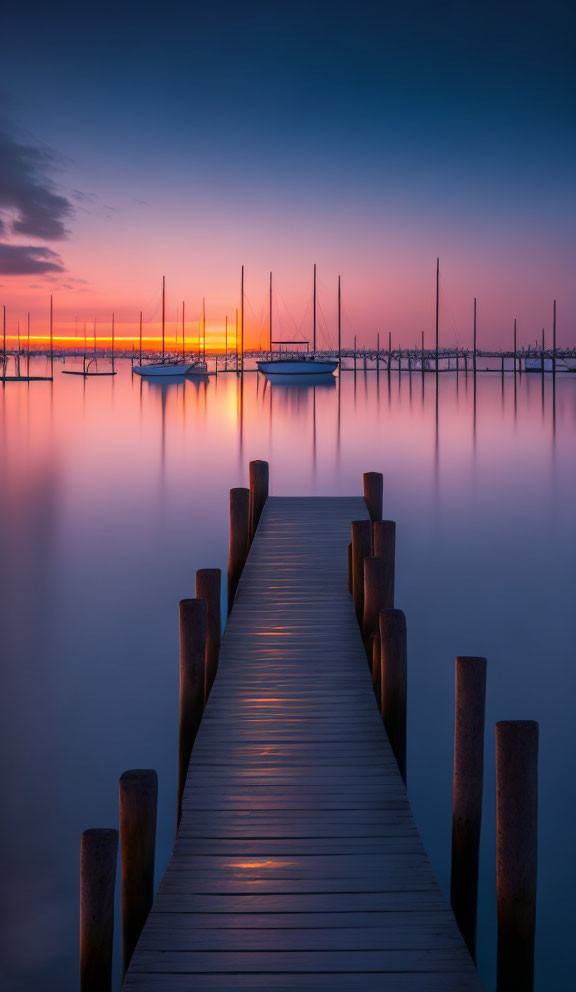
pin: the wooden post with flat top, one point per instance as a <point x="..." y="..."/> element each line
<point x="467" y="796"/>
<point x="516" y="851"/>
<point x="98" y="854"/>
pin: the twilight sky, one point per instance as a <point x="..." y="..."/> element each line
<point x="139" y="140"/>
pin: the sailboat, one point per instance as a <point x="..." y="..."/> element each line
<point x="87" y="369"/>
<point x="169" y="366"/>
<point x="307" y="364"/>
<point x="4" y="354"/>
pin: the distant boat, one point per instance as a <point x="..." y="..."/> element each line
<point x="86" y="369"/>
<point x="167" y="366"/>
<point x="171" y="369"/>
<point x="299" y="365"/>
<point x="535" y="364"/>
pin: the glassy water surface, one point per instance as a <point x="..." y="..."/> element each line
<point x="114" y="491"/>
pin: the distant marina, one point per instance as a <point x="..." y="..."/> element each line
<point x="286" y="357"/>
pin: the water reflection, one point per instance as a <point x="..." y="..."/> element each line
<point x="114" y="491"/>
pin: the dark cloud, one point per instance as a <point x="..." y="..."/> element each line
<point x="28" y="199"/>
<point x="29" y="202"/>
<point x="30" y="205"/>
<point x="20" y="260"/>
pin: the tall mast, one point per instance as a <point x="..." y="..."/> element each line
<point x="437" y="307"/>
<point x="28" y="346"/>
<point x="94" y="339"/>
<point x="140" y="337"/>
<point x="51" y="337"/>
<point x="112" y="342"/>
<point x="163" y="316"/>
<point x="515" y="346"/>
<point x="474" y="340"/>
<point x="554" y="337"/>
<point x="242" y="319"/>
<point x="226" y="340"/>
<point x="183" y="331"/>
<point x="339" y="320"/>
<point x="236" y="341"/>
<point x="4" y="341"/>
<point x="314" y="314"/>
<point x="203" y="328"/>
<point x="270" y="314"/>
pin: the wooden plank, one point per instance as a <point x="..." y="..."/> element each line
<point x="378" y="982"/>
<point x="298" y="864"/>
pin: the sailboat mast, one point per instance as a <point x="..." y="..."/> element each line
<point x="270" y="315"/>
<point x="314" y="314"/>
<point x="339" y="320"/>
<point x="4" y="342"/>
<point x="140" y="337"/>
<point x="112" y="342"/>
<point x="474" y="340"/>
<point x="51" y="337"/>
<point x="226" y="340"/>
<point x="163" y="317"/>
<point x="28" y="346"/>
<point x="183" y="331"/>
<point x="437" y="308"/>
<point x="203" y="329"/>
<point x="515" y="349"/>
<point x="242" y="320"/>
<point x="554" y="337"/>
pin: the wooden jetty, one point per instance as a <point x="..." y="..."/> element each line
<point x="297" y="863"/>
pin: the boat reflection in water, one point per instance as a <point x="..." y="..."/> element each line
<point x="303" y="381"/>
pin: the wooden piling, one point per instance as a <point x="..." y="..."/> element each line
<point x="209" y="588"/>
<point x="239" y="539"/>
<point x="374" y="494"/>
<point x="350" y="583"/>
<point x="374" y="650"/>
<point x="138" y="801"/>
<point x="192" y="683"/>
<point x="376" y="594"/>
<point x="259" y="483"/>
<point x="467" y="796"/>
<point x="98" y="854"/>
<point x="394" y="681"/>
<point x="361" y="549"/>
<point x="384" y="545"/>
<point x="516" y="851"/>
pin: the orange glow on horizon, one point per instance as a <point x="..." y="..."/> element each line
<point x="214" y="343"/>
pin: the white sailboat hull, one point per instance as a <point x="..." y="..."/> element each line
<point x="298" y="366"/>
<point x="170" y="370"/>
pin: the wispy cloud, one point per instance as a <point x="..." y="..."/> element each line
<point x="23" y="260"/>
<point x="30" y="205"/>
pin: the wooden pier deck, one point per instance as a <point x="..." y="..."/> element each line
<point x="298" y="864"/>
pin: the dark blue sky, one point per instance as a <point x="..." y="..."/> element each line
<point x="416" y="129"/>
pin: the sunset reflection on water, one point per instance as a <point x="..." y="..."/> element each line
<point x="115" y="490"/>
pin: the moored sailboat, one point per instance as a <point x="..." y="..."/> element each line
<point x="307" y="364"/>
<point x="169" y="367"/>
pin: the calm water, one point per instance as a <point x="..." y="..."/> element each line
<point x="115" y="490"/>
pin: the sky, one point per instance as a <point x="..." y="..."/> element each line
<point x="139" y="141"/>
